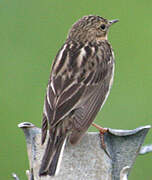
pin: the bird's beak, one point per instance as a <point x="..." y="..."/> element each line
<point x="113" y="21"/>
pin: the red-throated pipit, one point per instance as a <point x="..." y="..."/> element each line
<point x="79" y="84"/>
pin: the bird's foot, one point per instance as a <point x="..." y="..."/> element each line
<point x="102" y="132"/>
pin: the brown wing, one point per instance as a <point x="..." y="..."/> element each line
<point x="98" y="93"/>
<point x="77" y="76"/>
<point x="63" y="91"/>
<point x="98" y="87"/>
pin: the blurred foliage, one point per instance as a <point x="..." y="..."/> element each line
<point x="30" y="35"/>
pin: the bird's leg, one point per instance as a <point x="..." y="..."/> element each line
<point x="102" y="131"/>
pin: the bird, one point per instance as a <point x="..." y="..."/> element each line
<point x="79" y="84"/>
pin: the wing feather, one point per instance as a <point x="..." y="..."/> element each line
<point x="80" y="85"/>
<point x="84" y="115"/>
<point x="69" y="104"/>
<point x="44" y="128"/>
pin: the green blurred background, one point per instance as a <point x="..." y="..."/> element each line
<point x="31" y="32"/>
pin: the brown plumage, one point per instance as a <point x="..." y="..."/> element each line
<point x="79" y="84"/>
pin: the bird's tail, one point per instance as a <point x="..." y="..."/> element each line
<point x="52" y="156"/>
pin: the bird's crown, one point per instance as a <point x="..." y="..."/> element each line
<point x="90" y="28"/>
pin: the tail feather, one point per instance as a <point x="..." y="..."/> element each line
<point x="52" y="157"/>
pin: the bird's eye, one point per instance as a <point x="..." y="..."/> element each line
<point x="103" y="26"/>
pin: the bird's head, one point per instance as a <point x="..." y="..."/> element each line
<point x="90" y="28"/>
